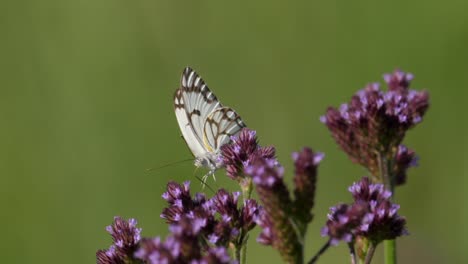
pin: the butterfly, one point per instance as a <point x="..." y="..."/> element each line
<point x="205" y="123"/>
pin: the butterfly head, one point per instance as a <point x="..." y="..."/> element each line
<point x="210" y="161"/>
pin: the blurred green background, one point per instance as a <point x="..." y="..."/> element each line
<point x="86" y="107"/>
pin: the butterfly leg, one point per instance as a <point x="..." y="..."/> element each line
<point x="204" y="179"/>
<point x="212" y="173"/>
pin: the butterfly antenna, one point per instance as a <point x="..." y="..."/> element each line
<point x="167" y="165"/>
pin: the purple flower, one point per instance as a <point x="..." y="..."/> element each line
<point x="306" y="163"/>
<point x="374" y="122"/>
<point x="219" y="220"/>
<point x="153" y="250"/>
<point x="343" y="220"/>
<point x="109" y="256"/>
<point x="372" y="216"/>
<point x="277" y="215"/>
<point x="200" y="229"/>
<point x="267" y="236"/>
<point x="365" y="191"/>
<point x="218" y="255"/>
<point x="249" y="213"/>
<point x="243" y="149"/>
<point x="225" y="204"/>
<point x="126" y="237"/>
<point x="405" y="159"/>
<point x="233" y="223"/>
<point x="180" y="201"/>
<point x="381" y="221"/>
<point x="181" y="246"/>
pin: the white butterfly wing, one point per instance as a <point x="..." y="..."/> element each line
<point x="191" y="139"/>
<point x="220" y="125"/>
<point x="205" y="124"/>
<point x="193" y="103"/>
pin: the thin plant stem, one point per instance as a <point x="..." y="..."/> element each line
<point x="389" y="183"/>
<point x="241" y="249"/>
<point x="352" y="253"/>
<point x="385" y="173"/>
<point x="370" y="254"/>
<point x="243" y="259"/>
<point x="238" y="253"/>
<point x="246" y="187"/>
<point x="319" y="253"/>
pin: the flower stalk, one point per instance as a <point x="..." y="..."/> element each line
<point x="319" y="253"/>
<point x="389" y="183"/>
<point x="370" y="253"/>
<point x="352" y="253"/>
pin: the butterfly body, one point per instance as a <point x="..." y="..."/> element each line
<point x="205" y="123"/>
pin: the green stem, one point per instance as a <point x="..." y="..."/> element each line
<point x="319" y="253"/>
<point x="386" y="174"/>
<point x="243" y="259"/>
<point x="241" y="248"/>
<point x="370" y="254"/>
<point x="238" y="253"/>
<point x="390" y="251"/>
<point x="246" y="187"/>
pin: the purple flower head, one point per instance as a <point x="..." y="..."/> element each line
<point x="306" y="163"/>
<point x="267" y="176"/>
<point x="177" y="192"/>
<point x="224" y="232"/>
<point x="343" y="221"/>
<point x="405" y="159"/>
<point x="249" y="213"/>
<point x="230" y="219"/>
<point x="365" y="191"/>
<point x="109" y="256"/>
<point x="382" y="222"/>
<point x="375" y="122"/>
<point x="225" y="203"/>
<point x="218" y="220"/>
<point x="267" y="236"/>
<point x="398" y="80"/>
<point x="372" y="216"/>
<point x="153" y="250"/>
<point x="176" y="249"/>
<point x="126" y="237"/>
<point x="180" y="201"/>
<point x="217" y="255"/>
<point x="185" y="244"/>
<point x="243" y="149"/>
<point x="124" y="233"/>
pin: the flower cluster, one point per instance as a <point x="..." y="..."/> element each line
<point x="277" y="205"/>
<point x="242" y="151"/>
<point x="374" y="122"/>
<point x="284" y="220"/>
<point x="372" y="216"/>
<point x="126" y="237"/>
<point x="219" y="220"/>
<point x="305" y="179"/>
<point x="181" y="246"/>
<point x="200" y="230"/>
